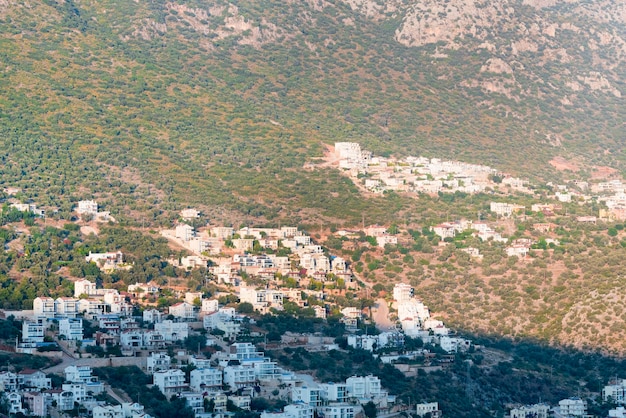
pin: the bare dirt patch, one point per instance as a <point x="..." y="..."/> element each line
<point x="562" y="164"/>
<point x="603" y="172"/>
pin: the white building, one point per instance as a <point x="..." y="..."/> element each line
<point x="34" y="379"/>
<point x="209" y="306"/>
<point x="238" y="376"/>
<point x="33" y="331"/>
<point x="170" y="381"/>
<point x="184" y="232"/>
<point x="431" y="408"/>
<point x="535" y="411"/>
<point x="108" y="411"/>
<point x="79" y="374"/>
<point x="43" y="307"/>
<point x="71" y="328"/>
<point x="615" y="392"/>
<point x="89" y="207"/>
<point x="618" y="412"/>
<point x="84" y="287"/>
<point x="402" y="292"/>
<point x="295" y="410"/>
<point x="206" y="378"/>
<point x="223" y="320"/>
<point x="364" y="387"/>
<point x="334" y="392"/>
<point x="183" y="310"/>
<point x="157" y="361"/>
<point x="311" y="396"/>
<point x="573" y="407"/>
<point x="453" y="344"/>
<point x="152" y="316"/>
<point x="172" y="331"/>
<point x="66" y="307"/>
<point x="337" y="411"/>
<point x="189" y="214"/>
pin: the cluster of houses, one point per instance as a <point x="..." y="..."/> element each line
<point x="299" y="254"/>
<point x="415" y="174"/>
<point x="31" y="392"/>
<point x="614" y="393"/>
<point x="415" y="320"/>
<point x="242" y="372"/>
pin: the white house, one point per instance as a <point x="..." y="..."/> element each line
<point x="33" y="331"/>
<point x="402" y="292"/>
<point x="84" y="287"/>
<point x="34" y="379"/>
<point x="431" y="408"/>
<point x="206" y="378"/>
<point x="310" y="395"/>
<point x="89" y="207"/>
<point x="71" y="328"/>
<point x="572" y="407"/>
<point x="170" y="381"/>
<point x="184" y="232"/>
<point x="68" y="307"/>
<point x="172" y="331"/>
<point x="189" y="214"/>
<point x="535" y="411"/>
<point x="43" y="307"/>
<point x="364" y="387"/>
<point x="337" y="411"/>
<point x="209" y="305"/>
<point x="108" y="411"/>
<point x="157" y="361"/>
<point x="152" y="316"/>
<point x="238" y="376"/>
<point x="183" y="310"/>
<point x="616" y="392"/>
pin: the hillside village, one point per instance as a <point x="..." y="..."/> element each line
<point x="271" y="271"/>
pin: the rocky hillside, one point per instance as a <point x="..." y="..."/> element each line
<point x="169" y="101"/>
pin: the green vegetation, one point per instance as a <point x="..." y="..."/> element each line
<point x="152" y="106"/>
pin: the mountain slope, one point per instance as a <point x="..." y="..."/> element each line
<point x="221" y="103"/>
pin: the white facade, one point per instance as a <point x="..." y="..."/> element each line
<point x="337" y="411"/>
<point x="172" y="331"/>
<point x="362" y="387"/>
<point x="33" y="331"/>
<point x="183" y="310"/>
<point x="402" y="292"/>
<point x="224" y="320"/>
<point x="34" y="379"/>
<point x="68" y="307"/>
<point x="334" y="392"/>
<point x="535" y="411"/>
<point x="422" y="409"/>
<point x="169" y="381"/>
<point x="157" y="361"/>
<point x="572" y="407"/>
<point x="209" y="305"/>
<point x="309" y="395"/>
<point x="616" y="392"/>
<point x="43" y="307"/>
<point x="87" y="207"/>
<point x="152" y="316"/>
<point x="108" y="411"/>
<point x="84" y="287"/>
<point x="184" y="232"/>
<point x="71" y="328"/>
<point x="202" y="379"/>
<point x="239" y="376"/>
